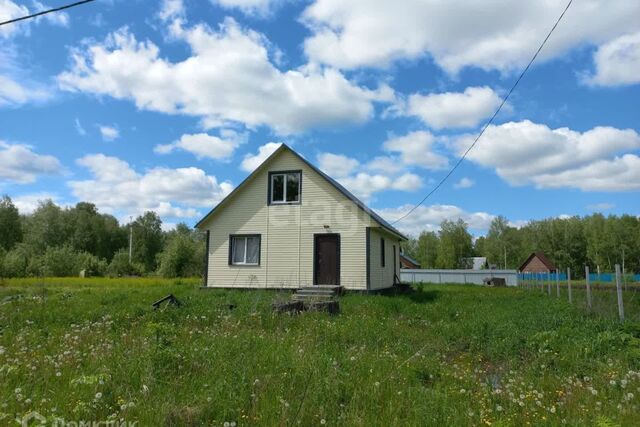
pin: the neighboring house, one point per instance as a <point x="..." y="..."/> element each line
<point x="289" y="225"/>
<point x="407" y="262"/>
<point x="537" y="263"/>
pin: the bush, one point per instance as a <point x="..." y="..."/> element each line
<point x="92" y="265"/>
<point x="120" y="265"/>
<point x="61" y="261"/>
<point x="16" y="261"/>
<point x="181" y="258"/>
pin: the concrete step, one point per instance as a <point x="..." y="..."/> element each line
<point x="324" y="297"/>
<point x="316" y="291"/>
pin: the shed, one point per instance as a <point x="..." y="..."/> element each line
<point x="537" y="262"/>
<point x="290" y="225"/>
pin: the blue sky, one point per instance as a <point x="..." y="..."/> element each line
<point x="168" y="105"/>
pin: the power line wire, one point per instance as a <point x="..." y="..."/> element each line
<point x="44" y="12"/>
<point x="490" y="121"/>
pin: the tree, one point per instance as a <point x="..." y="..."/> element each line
<point x="147" y="240"/>
<point x="427" y="249"/>
<point x="9" y="224"/>
<point x="120" y="265"/>
<point x="47" y="226"/>
<point x="455" y="244"/>
<point x="183" y="254"/>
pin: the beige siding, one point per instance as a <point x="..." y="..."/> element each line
<point x="382" y="277"/>
<point x="287" y="232"/>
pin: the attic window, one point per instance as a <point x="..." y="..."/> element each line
<point x="284" y="187"/>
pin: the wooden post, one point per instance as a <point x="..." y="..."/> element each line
<point x="558" y="282"/>
<point x="549" y="283"/>
<point x="588" y="282"/>
<point x="619" y="289"/>
<point x="569" y="284"/>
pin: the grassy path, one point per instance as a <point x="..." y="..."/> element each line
<point x="445" y="355"/>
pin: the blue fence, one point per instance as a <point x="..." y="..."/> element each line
<point x="593" y="277"/>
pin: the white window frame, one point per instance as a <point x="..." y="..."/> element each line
<point x="284" y="190"/>
<point x="246" y="248"/>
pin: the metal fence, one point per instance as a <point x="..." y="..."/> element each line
<point x="471" y="277"/>
<point x="594" y="277"/>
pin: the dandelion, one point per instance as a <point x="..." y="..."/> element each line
<point x="612" y="382"/>
<point x="499" y="408"/>
<point x="58" y="374"/>
<point x="552" y="409"/>
<point x="145" y="389"/>
<point x="323" y="421"/>
<point x="462" y="391"/>
<point x="594" y="391"/>
<point x="18" y="390"/>
<point x="98" y="396"/>
<point x="377" y="384"/>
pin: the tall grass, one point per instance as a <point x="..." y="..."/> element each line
<point x="444" y="355"/>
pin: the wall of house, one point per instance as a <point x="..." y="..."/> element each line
<point x="287" y="232"/>
<point x="535" y="266"/>
<point x="382" y="277"/>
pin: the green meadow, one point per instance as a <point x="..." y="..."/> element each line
<point x="90" y="350"/>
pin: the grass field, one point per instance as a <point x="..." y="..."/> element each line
<point x="93" y="350"/>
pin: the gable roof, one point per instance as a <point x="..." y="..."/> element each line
<point x="547" y="263"/>
<point x="331" y="181"/>
<point x="409" y="259"/>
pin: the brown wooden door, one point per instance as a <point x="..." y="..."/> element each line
<point x="327" y="259"/>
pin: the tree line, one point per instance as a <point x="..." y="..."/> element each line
<point x="56" y="241"/>
<point x="574" y="242"/>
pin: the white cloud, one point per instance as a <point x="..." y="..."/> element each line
<point x="20" y="164"/>
<point x="428" y="218"/>
<point x="171" y="9"/>
<point x="118" y="189"/>
<point x="416" y="148"/>
<point x="109" y="133"/>
<point x="337" y="165"/>
<point x="81" y="131"/>
<point x="529" y="153"/>
<point x="464" y="183"/>
<point x="498" y="34"/>
<point x="364" y="185"/>
<point x="10" y="10"/>
<point x="454" y="109"/>
<point x="386" y="164"/>
<point x="60" y="19"/>
<point x="360" y="180"/>
<point x="203" y="145"/>
<point x="252" y="161"/>
<point x="228" y="79"/>
<point x="617" y="63"/>
<point x="599" y="207"/>
<point x="27" y="203"/>
<point x="250" y="7"/>
<point x="13" y="92"/>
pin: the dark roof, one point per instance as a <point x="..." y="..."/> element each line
<point x="332" y="181"/>
<point x="408" y="258"/>
<point x="551" y="266"/>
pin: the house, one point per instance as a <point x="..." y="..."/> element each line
<point x="407" y="262"/>
<point x="537" y="262"/>
<point x="289" y="225"/>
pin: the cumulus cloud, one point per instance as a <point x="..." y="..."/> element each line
<point x="171" y="9"/>
<point x="20" y="164"/>
<point x="27" y="203"/>
<point x="529" y="153"/>
<point x="203" y="145"/>
<point x="416" y="149"/>
<point x="495" y="35"/>
<point x="617" y="63"/>
<point x="362" y="180"/>
<point x="228" y="78"/>
<point x="14" y="92"/>
<point x="109" y="133"/>
<point x="117" y="188"/>
<point x="464" y="183"/>
<point x="337" y="165"/>
<point x="252" y="161"/>
<point x="454" y="109"/>
<point x="428" y="218"/>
